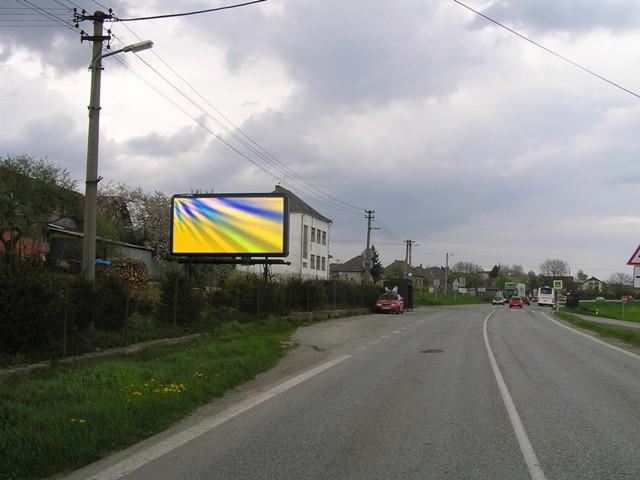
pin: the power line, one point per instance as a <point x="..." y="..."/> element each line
<point x="331" y="201"/>
<point x="199" y="122"/>
<point x="250" y="143"/>
<point x="227" y="143"/>
<point x="197" y="12"/>
<point x="577" y="65"/>
<point x="46" y="13"/>
<point x="206" y="127"/>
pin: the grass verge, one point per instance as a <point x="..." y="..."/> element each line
<point x="430" y="299"/>
<point x="612" y="310"/>
<point x="629" y="336"/>
<point x="61" y="419"/>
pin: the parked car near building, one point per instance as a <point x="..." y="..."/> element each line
<point x="390" y="302"/>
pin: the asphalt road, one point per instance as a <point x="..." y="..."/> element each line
<point x="416" y="396"/>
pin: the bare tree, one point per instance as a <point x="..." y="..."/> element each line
<point x="620" y="278"/>
<point x="466" y="267"/>
<point x="554" y="267"/>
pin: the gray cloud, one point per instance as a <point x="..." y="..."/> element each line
<point x="574" y="16"/>
<point x="59" y="46"/>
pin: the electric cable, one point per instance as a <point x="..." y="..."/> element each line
<point x="548" y="50"/>
<point x="267" y="160"/>
<point x="254" y="144"/>
<point x="184" y="14"/>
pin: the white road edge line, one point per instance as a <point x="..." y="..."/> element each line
<point x="621" y="350"/>
<point x="150" y="454"/>
<point x="530" y="458"/>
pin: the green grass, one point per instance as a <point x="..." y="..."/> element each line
<point x="66" y="417"/>
<point x="430" y="299"/>
<point x="612" y="310"/>
<point x="629" y="336"/>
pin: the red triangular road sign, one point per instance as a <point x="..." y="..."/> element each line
<point x="635" y="258"/>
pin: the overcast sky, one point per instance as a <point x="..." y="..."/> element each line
<point x="460" y="135"/>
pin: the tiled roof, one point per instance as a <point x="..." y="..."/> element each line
<point x="356" y="264"/>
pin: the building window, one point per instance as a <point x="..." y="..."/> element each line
<point x="318" y="236"/>
<point x="305" y="241"/>
<point x="313" y="234"/>
<point x="313" y="262"/>
<point x="324" y="264"/>
<point x="324" y="238"/>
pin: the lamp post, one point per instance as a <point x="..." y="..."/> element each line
<point x="92" y="179"/>
<point x="446" y="272"/>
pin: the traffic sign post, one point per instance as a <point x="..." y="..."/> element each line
<point x="636" y="276"/>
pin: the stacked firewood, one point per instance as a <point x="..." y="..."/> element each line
<point x="132" y="271"/>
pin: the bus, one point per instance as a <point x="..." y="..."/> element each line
<point x="546" y="296"/>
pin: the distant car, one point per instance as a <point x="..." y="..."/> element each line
<point x="601" y="299"/>
<point x="562" y="298"/>
<point x="627" y="298"/>
<point x="516" y="302"/>
<point x="390" y="302"/>
<point x="497" y="301"/>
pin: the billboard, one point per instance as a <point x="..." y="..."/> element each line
<point x="250" y="224"/>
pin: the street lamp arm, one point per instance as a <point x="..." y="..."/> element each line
<point x="134" y="47"/>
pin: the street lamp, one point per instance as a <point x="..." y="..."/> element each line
<point x="92" y="179"/>
<point x="446" y="272"/>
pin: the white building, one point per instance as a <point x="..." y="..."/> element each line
<point x="308" y="242"/>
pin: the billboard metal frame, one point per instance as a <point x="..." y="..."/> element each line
<point x="230" y="257"/>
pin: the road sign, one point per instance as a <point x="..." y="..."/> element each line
<point x="635" y="258"/>
<point x="557" y="284"/>
<point x="636" y="277"/>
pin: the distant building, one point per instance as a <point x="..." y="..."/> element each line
<point x="350" y="271"/>
<point x="309" y="241"/>
<point x="593" y="284"/>
<point x="424" y="278"/>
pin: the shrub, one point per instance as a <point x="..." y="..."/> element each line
<point x="180" y="303"/>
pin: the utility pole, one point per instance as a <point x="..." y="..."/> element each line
<point x="446" y="273"/>
<point x="407" y="257"/>
<point x="91" y="183"/>
<point x="92" y="178"/>
<point x="367" y="260"/>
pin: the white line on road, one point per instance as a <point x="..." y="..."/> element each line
<point x="530" y="458"/>
<point x="385" y="336"/>
<point x="150" y="454"/>
<point x="621" y="350"/>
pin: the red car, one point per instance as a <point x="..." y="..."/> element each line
<point x="516" y="302"/>
<point x="390" y="302"/>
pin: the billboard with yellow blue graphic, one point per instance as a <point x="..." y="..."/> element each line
<point x="255" y="224"/>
